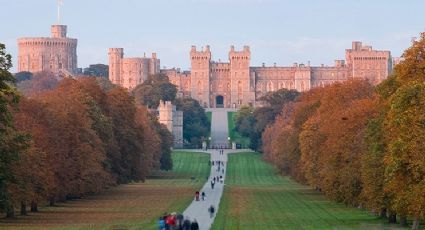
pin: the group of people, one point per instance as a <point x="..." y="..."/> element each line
<point x="197" y="196"/>
<point x="221" y="151"/>
<point x="176" y="221"/>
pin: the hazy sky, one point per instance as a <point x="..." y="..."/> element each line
<point x="278" y="31"/>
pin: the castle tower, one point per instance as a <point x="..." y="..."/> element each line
<point x="115" y="57"/>
<point x="165" y="110"/>
<point x="58" y="31"/>
<point x="200" y="75"/>
<point x="56" y="53"/>
<point x="240" y="76"/>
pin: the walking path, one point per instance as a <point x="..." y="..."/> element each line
<point x="199" y="209"/>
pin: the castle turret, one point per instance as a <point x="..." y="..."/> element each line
<point x="200" y="74"/>
<point x="58" y="31"/>
<point x="240" y="77"/>
<point x="115" y="57"/>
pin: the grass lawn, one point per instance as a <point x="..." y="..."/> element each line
<point x="209" y="117"/>
<point x="132" y="206"/>
<point x="235" y="136"/>
<point x="255" y="197"/>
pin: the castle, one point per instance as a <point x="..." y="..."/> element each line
<point x="130" y="72"/>
<point x="173" y="120"/>
<point x="236" y="83"/>
<point x="54" y="54"/>
<point x="214" y="84"/>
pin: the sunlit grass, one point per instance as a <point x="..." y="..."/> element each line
<point x="255" y="197"/>
<point x="132" y="206"/>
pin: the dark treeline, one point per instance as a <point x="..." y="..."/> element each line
<point x="358" y="144"/>
<point x="70" y="138"/>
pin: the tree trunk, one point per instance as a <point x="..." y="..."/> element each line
<point x="383" y="213"/>
<point x="392" y="218"/>
<point x="52" y="201"/>
<point x="416" y="223"/>
<point x="24" y="208"/>
<point x="403" y="221"/>
<point x="34" y="206"/>
<point x="10" y="211"/>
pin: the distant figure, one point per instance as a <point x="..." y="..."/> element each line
<point x="212" y="184"/>
<point x="186" y="224"/>
<point x="211" y="210"/>
<point x="222" y="171"/>
<point x="197" y="195"/>
<point x="161" y="223"/>
<point x="179" y="218"/>
<point x="221" y="179"/>
<point x="203" y="195"/>
<point x="194" y="225"/>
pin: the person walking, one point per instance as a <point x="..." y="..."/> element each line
<point x="186" y="224"/>
<point x="161" y="223"/>
<point x="197" y="195"/>
<point x="211" y="210"/>
<point x="194" y="225"/>
<point x="203" y="196"/>
<point x="212" y="184"/>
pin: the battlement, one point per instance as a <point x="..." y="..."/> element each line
<point x="56" y="53"/>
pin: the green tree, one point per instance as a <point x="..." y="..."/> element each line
<point x="155" y="88"/>
<point x="12" y="144"/>
<point x="97" y="70"/>
<point x="195" y="121"/>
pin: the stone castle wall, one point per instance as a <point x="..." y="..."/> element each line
<point x="48" y="54"/>
<point x="130" y="72"/>
<point x="173" y="120"/>
<point x="236" y="83"/>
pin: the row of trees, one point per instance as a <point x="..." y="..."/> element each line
<point x="75" y="139"/>
<point x="359" y="144"/>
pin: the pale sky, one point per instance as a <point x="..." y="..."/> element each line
<point x="278" y="31"/>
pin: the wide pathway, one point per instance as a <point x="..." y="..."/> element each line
<point x="199" y="209"/>
<point x="219" y="128"/>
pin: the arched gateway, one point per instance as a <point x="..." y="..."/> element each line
<point x="219" y="101"/>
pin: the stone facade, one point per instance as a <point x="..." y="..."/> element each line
<point x="130" y="72"/>
<point x="173" y="120"/>
<point x="55" y="54"/>
<point x="236" y="83"/>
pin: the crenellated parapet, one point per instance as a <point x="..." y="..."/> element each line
<point x="54" y="53"/>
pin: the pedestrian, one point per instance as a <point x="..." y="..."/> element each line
<point x="222" y="171"/>
<point x="221" y="179"/>
<point x="179" y="218"/>
<point x="194" y="225"/>
<point x="218" y="179"/>
<point x="161" y="223"/>
<point x="212" y="184"/>
<point x="203" y="195"/>
<point x="197" y="195"/>
<point x="211" y="210"/>
<point x="186" y="224"/>
<point x="212" y="163"/>
<point x="214" y="179"/>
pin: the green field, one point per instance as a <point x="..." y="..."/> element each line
<point x="235" y="136"/>
<point x="255" y="197"/>
<point x="132" y="206"/>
